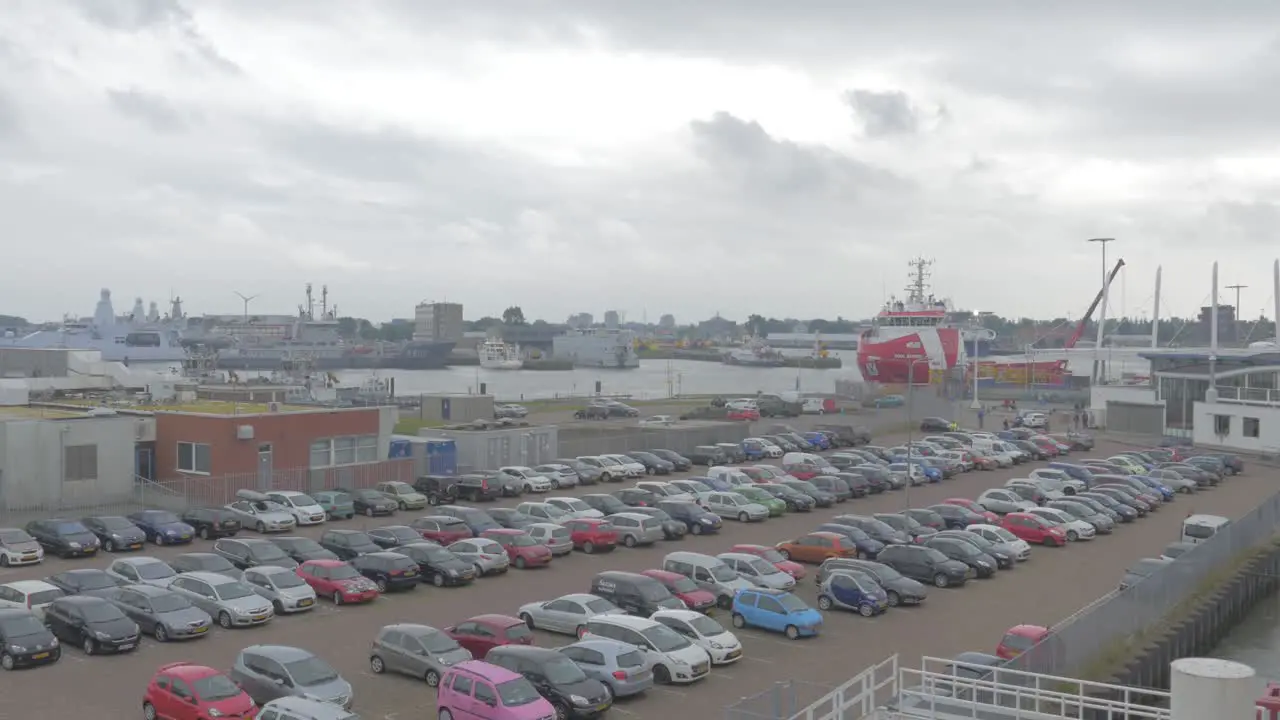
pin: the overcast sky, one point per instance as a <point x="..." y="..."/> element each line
<point x="785" y="158"/>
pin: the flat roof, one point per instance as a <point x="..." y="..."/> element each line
<point x="1267" y="356"/>
<point x="211" y="407"/>
<point x="23" y="412"/>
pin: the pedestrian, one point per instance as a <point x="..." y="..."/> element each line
<point x="1006" y="423"/>
<point x="1075" y="419"/>
<point x="982" y="415"/>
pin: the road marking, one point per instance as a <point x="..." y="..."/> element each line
<point x="620" y="711"/>
<point x="390" y="716"/>
<point x="724" y="675"/>
<point x="677" y="693"/>
<point x="756" y="659"/>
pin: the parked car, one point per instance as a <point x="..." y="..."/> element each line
<point x="115" y="533"/>
<point x="555" y="536"/>
<point x="683" y="589"/>
<point x="1019" y="639"/>
<point x="621" y="667"/>
<point x="373" y="503"/>
<point x="757" y="570"/>
<point x="681" y="463"/>
<point x="418" y="651"/>
<point x="347" y="544"/>
<point x="302" y="549"/>
<point x="184" y="691"/>
<point x="204" y="562"/>
<point x="159" y="612"/>
<point x="338" y="581"/>
<point x="926" y="565"/>
<point x="304" y="508"/>
<point x="982" y="564"/>
<point x="560" y="475"/>
<point x="696" y="519"/>
<point x="406" y="496"/>
<point x="438" y="565"/>
<point x="388" y="570"/>
<point x="776" y="611"/>
<point x="567" y="614"/>
<point x="287" y="592"/>
<point x="212" y="523"/>
<point x="18" y="547"/>
<point x="1003" y="501"/>
<point x="336" y="505"/>
<point x="636" y="497"/>
<point x="635" y="529"/>
<point x="487" y="556"/>
<point x="271" y="672"/>
<point x="523" y="551"/>
<point x="591" y="535"/>
<point x="482" y="633"/>
<point x="708" y="455"/>
<point x="1001" y="537"/>
<point x="899" y="589"/>
<point x="442" y="529"/>
<point x="390" y="536"/>
<point x="1074" y="528"/>
<point x="69" y="582"/>
<point x="475" y="518"/>
<point x="33" y="595"/>
<point x="733" y="505"/>
<point x="64" y="538"/>
<point x="674" y="658"/>
<point x="141" y="571"/>
<point x="512" y="518"/>
<point x="526" y="478"/>
<point x="437" y="489"/>
<point x="852" y="591"/>
<point x="815" y="547"/>
<point x="257" y="511"/>
<point x="902" y="523"/>
<point x="231" y="602"/>
<point x="245" y="553"/>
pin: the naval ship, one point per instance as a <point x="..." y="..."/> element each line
<point x="597" y="348"/>
<point x="142" y="336"/>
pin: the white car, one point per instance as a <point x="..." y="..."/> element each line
<point x="634" y="467"/>
<point x="1015" y="483"/>
<point x="287" y="592"/>
<point x="722" y="645"/>
<point x="1074" y="527"/>
<point x="531" y="481"/>
<point x="17" y="547"/>
<point x="142" y="571"/>
<point x="1051" y="479"/>
<point x="33" y="595"/>
<point x="664" y="490"/>
<point x="658" y="420"/>
<point x="732" y="505"/>
<point x="813" y="406"/>
<point x="742" y="404"/>
<point x="733" y="476"/>
<point x="996" y="534"/>
<point x="259" y="512"/>
<point x="1001" y="459"/>
<point x="690" y="486"/>
<point x="544" y="512"/>
<point x="304" y="509"/>
<point x="675" y="658"/>
<point x="1002" y="501"/>
<point x="1034" y="420"/>
<point x="575" y="507"/>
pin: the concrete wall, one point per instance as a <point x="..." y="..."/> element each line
<point x="1132" y="418"/>
<point x="600" y="438"/>
<point x="1100" y="395"/>
<point x="455" y="408"/>
<point x="33" y="362"/>
<point x="32" y="462"/>
<point x="492" y="449"/>
<point x="1268" y="417"/>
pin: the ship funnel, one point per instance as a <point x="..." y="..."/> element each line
<point x="104" y="316"/>
<point x="138" y="312"/>
<point x="153" y="313"/>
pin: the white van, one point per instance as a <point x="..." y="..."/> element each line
<point x="709" y="573"/>
<point x="674" y="658"/>
<point x="798" y="458"/>
<point x="1198" y="528"/>
<point x="733" y="476"/>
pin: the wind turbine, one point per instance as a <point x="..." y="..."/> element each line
<point x="247" y="299"/>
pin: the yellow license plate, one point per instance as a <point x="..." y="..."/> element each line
<point x="304" y="603"/>
<point x="602" y="707"/>
<point x="136" y="546"/>
<point x="202" y="629"/>
<point x="259" y="618"/>
<point x="40" y="656"/>
<point x="90" y="551"/>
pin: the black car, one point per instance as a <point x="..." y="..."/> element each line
<point x="907" y="525"/>
<point x="348" y="544"/>
<point x="163" y="527"/>
<point x="437" y="565"/>
<point x="878" y="477"/>
<point x="64" y="538"/>
<point x="212" y="523"/>
<point x="821" y="498"/>
<point x="935" y="424"/>
<point x="371" y="503"/>
<point x="708" y="455"/>
<point x="556" y="678"/>
<point x="957" y="517"/>
<point x="389" y="570"/>
<point x="245" y="553"/>
<point x="204" y="562"/>
<point x="653" y="464"/>
<point x="475" y="518"/>
<point x="927" y="517"/>
<point x="925" y="564"/>
<point x="1005" y="556"/>
<point x="672" y="529"/>
<point x="796" y="501"/>
<point x="637" y="497"/>
<point x="877" y="529"/>
<point x="302" y="549"/>
<point x="25" y="641"/>
<point x="389" y="536"/>
<point x="859" y="485"/>
<point x="696" y="520"/>
<point x="79" y="580"/>
<point x="115" y="533"/>
<point x="606" y="504"/>
<point x="901" y="589"/>
<point x="511" y="518"/>
<point x="983" y="565"/>
<point x="478" y="488"/>
<point x="678" y="461"/>
<point x="846" y="435"/>
<point x="439" y="489"/>
<point x="834" y="486"/>
<point x="867" y="546"/>
<point x="93" y="623"/>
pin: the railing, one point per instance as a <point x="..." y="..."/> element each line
<point x="1248" y="396"/>
<point x="795" y="700"/>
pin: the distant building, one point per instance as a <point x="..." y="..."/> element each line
<point x="667" y="322"/>
<point x="438" y="322"/>
<point x="581" y="320"/>
<point x="1226" y="325"/>
<point x="611" y="319"/>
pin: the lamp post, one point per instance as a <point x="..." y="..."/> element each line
<point x="1102" y="311"/>
<point x="911" y="385"/>
<point x="975" y="405"/>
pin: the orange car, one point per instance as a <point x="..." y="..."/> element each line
<point x="818" y="546"/>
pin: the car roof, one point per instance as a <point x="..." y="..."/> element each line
<point x="144" y="560"/>
<point x="1027" y="630"/>
<point x="504" y="531"/>
<point x="679" y="614"/>
<point x="149" y="590"/>
<point x="657" y="574"/>
<point x="552" y="526"/>
<point x="631" y="515"/>
<point x="495" y="619"/>
<point x="188" y="671"/>
<point x="494" y="673"/>
<point x="325" y="562"/>
<point x="286" y="493"/>
<point x="630" y="621"/>
<point x="283" y="653"/>
<point x="209" y="577"/>
<point x="737" y="556"/>
<point x="269" y="570"/>
<point x="31" y="586"/>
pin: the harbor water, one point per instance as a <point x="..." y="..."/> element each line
<point x="1256" y="641"/>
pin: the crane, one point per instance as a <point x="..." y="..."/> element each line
<point x="1075" y="336"/>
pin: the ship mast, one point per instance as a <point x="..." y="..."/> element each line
<point x="921" y="271"/>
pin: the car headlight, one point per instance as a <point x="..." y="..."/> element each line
<point x="73" y="545"/>
<point x="707" y="521"/>
<point x="17" y="648"/>
<point x="716" y="646"/>
<point x="578" y="700"/>
<point x="115" y="536"/>
<point x="101" y="635"/>
<point x="214" y="712"/>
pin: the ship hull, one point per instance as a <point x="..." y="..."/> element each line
<point x="412" y="356"/>
<point x="908" y="358"/>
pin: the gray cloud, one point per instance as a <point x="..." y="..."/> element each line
<point x="884" y="113"/>
<point x="155" y="112"/>
<point x="132" y="15"/>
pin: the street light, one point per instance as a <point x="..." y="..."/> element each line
<point x="911" y="385"/>
<point x="1102" y="312"/>
<point x="975" y="405"/>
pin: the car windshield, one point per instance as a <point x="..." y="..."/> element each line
<point x="93" y="580"/>
<point x="722" y="573"/>
<point x="234" y="591"/>
<point x="13" y="537"/>
<point x="964" y="549"/>
<point x="302" y="500"/>
<point x="311" y="671"/>
<point x="154" y="571"/>
<point x="1005" y="535"/>
<point x="101" y="612"/>
<point x="437" y="643"/>
<point x="705" y="626"/>
<point x="215" y="687"/>
<point x="171" y="602"/>
<point x="160" y="517"/>
<point x="519" y="632"/>
<point x="554" y="512"/>
<point x="791" y="603"/>
<point x="400" y="488"/>
<point x="563" y="671"/>
<point x="664" y="639"/>
<point x="343" y="572"/>
<point x="339" y="498"/>
<point x="115" y="523"/>
<point x="684" y="585"/>
<point x="22" y="626"/>
<point x="517" y="692"/>
<point x="658" y="593"/>
<point x="268" y="551"/>
<point x="285" y="580"/>
<point x="1018" y="642"/>
<point x="763" y="567"/>
<point x="70" y="528"/>
<point x="865" y="586"/>
<point x="522" y="540"/>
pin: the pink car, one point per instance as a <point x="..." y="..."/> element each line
<point x="475" y="689"/>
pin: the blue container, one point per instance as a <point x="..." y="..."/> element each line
<point x="442" y="457"/>
<point x="400" y="449"/>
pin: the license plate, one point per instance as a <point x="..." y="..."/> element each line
<point x="304" y="603"/>
<point x="602" y="707"/>
<point x="733" y="654"/>
<point x="90" y="551"/>
<point x="135" y="546"/>
<point x="126" y="646"/>
<point x="40" y="656"/>
<point x="259" y="618"/>
<point x="186" y="536"/>
<point x="201" y="629"/>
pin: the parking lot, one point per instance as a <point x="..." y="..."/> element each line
<point x="1050" y="586"/>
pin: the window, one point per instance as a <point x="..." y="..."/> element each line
<point x="193" y="458"/>
<point x="1222" y="424"/>
<point x="1251" y="427"/>
<point x="79" y="462"/>
<point x="322" y="453"/>
<point x="486" y="695"/>
<point x="367" y="448"/>
<point x="461" y="685"/>
<point x="345" y="450"/>
<point x="769" y="604"/>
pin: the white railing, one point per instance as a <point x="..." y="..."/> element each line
<point x="858" y="697"/>
<point x="1248" y="396"/>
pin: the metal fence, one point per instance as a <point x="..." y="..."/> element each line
<point x="797" y="700"/>
<point x="1104" y="627"/>
<point x="601" y="438"/>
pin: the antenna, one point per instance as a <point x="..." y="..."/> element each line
<point x="919" y="279"/>
<point x="324" y="301"/>
<point x="310" y="311"/>
<point x="246" y="299"/>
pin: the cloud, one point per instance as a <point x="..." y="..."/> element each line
<point x="883" y="113"/>
<point x="153" y="111"/>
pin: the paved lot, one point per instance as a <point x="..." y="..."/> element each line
<point x="1054" y="583"/>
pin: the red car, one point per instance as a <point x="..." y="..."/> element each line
<point x="794" y="569"/>
<point x="1048" y="445"/>
<point x="1019" y="639"/>
<point x="684" y="589"/>
<point x="1034" y="529"/>
<point x="746" y="414"/>
<point x="522" y="550"/>
<point x="591" y="534"/>
<point x="802" y="471"/>
<point x="483" y="633"/>
<point x="973" y="507"/>
<point x="338" y="581"/>
<point x="182" y="691"/>
<point x="442" y="529"/>
<point x="764" y="473"/>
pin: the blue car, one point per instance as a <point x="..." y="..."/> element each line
<point x="776" y="611"/>
<point x="852" y="591"/>
<point x="889" y="401"/>
<point x="753" y="449"/>
<point x="818" y="440"/>
<point x="867" y="546"/>
<point x="1165" y="491"/>
<point x="715" y="483"/>
<point x="163" y="527"/>
<point x="931" y="473"/>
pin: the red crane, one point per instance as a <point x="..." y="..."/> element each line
<point x="1075" y="336"/>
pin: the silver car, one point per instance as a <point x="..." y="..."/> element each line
<point x="287" y="592"/>
<point x="259" y="512"/>
<point x="543" y="512"/>
<point x="567" y="614"/>
<point x="230" y="602"/>
<point x="636" y="529"/>
<point x="575" y="507"/>
<point x="204" y="562"/>
<point x="757" y="570"/>
<point x="1002" y="501"/>
<point x="406" y="496"/>
<point x="419" y="651"/>
<point x="554" y="536"/>
<point x="488" y="556"/>
<point x="297" y="708"/>
<point x="142" y="571"/>
<point x="620" y="666"/>
<point x="160" y="612"/>
<point x="267" y="672"/>
<point x="561" y="476"/>
<point x="733" y="505"/>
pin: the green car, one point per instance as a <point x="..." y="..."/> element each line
<point x="756" y="495"/>
<point x="337" y="505"/>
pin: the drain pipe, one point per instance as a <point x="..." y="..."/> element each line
<point x="1204" y="688"/>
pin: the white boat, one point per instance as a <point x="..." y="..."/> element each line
<point x="754" y="353"/>
<point x="497" y="355"/>
<point x="597" y="348"/>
